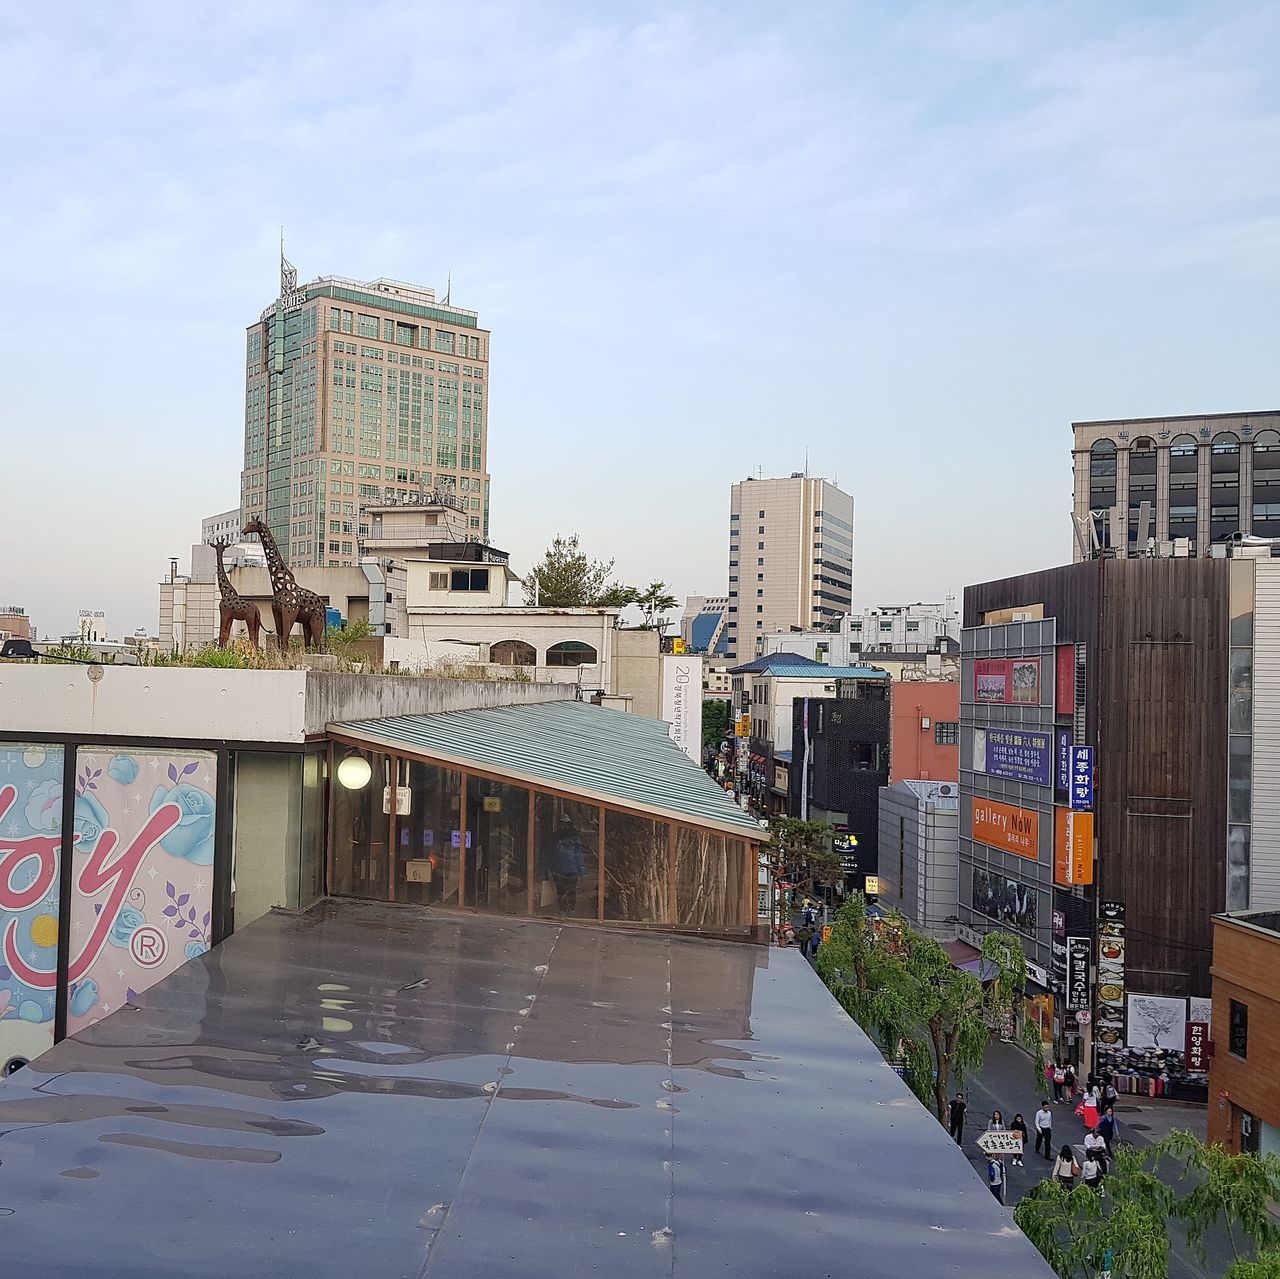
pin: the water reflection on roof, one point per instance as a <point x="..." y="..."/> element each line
<point x="378" y="1090"/>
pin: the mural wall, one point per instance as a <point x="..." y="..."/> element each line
<point x="142" y="845"/>
<point x="143" y="884"/>
<point x="30" y="848"/>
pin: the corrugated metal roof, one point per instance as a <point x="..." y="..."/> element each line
<point x="607" y="754"/>
<point x="817" y="670"/>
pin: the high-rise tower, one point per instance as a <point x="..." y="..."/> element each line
<point x="360" y="393"/>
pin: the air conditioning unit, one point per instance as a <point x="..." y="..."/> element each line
<point x="946" y="789"/>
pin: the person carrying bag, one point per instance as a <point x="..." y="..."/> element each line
<point x="1065" y="1169"/>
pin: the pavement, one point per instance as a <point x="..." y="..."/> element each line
<point x="1007" y="1082"/>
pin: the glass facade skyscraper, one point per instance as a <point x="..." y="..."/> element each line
<point x="356" y="394"/>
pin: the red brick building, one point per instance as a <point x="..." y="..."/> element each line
<point x="14" y="622"/>
<point x="1244" y="1081"/>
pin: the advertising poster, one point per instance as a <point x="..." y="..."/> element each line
<point x="1201" y="1010"/>
<point x="682" y="703"/>
<point x="1018" y="754"/>
<point x="30" y="857"/>
<point x="1082" y="778"/>
<point x="1110" y="1020"/>
<point x="143" y="880"/>
<point x="1157" y="1022"/>
<point x="1003" y="826"/>
<point x="991" y="680"/>
<point x="1064" y="699"/>
<point x="1004" y="899"/>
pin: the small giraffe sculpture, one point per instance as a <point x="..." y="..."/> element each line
<point x="233" y="607"/>
<point x="290" y="604"/>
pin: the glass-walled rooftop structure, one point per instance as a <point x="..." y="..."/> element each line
<point x="562" y="810"/>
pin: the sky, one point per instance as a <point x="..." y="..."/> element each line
<point x="904" y="243"/>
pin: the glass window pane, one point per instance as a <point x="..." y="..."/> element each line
<point x="1238" y="853"/>
<point x="361" y="830"/>
<point x="1239" y="779"/>
<point x="428" y="837"/>
<point x="635" y="869"/>
<point x="1241" y="717"/>
<point x="497" y="846"/>
<point x="1240" y="601"/>
<point x="566" y="858"/>
<point x="711" y="876"/>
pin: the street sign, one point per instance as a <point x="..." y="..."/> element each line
<point x="1082" y="778"/>
<point x="1001" y="1143"/>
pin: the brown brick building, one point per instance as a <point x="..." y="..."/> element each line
<point x="1244" y="1077"/>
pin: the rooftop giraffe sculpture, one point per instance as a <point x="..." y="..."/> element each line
<point x="233" y="607"/>
<point x="290" y="604"/>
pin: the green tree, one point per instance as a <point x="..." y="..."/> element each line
<point x="800" y="853"/>
<point x="566" y="578"/>
<point x="654" y="600"/>
<point x="902" y="988"/>
<point x="1075" y="1229"/>
<point x="715" y="720"/>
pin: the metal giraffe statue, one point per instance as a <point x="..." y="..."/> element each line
<point x="233" y="607"/>
<point x="290" y="603"/>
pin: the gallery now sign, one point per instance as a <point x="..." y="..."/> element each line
<point x="1015" y="830"/>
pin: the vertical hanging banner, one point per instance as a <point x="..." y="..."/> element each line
<point x="30" y="858"/>
<point x="143" y="880"/>
<point x="1082" y="778"/>
<point x="1077" y="973"/>
<point x="1072" y="847"/>
<point x="682" y="703"/>
<point x="1111" y="925"/>
<point x="1062" y="763"/>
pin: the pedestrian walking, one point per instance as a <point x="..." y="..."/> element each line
<point x="1108" y="1129"/>
<point x="1044" y="1129"/>
<point x="1019" y="1125"/>
<point x="956" y="1118"/>
<point x="1091" y="1172"/>
<point x="1108" y="1090"/>
<point x="1069" y="1082"/>
<point x="1095" y="1146"/>
<point x="1065" y="1168"/>
<point x="997" y="1122"/>
<point x="1059" y="1079"/>
<point x="995" y="1177"/>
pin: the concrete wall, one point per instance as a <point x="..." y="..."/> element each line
<point x="333" y="697"/>
<point x="230" y="705"/>
<point x="918" y="857"/>
<point x="637" y="670"/>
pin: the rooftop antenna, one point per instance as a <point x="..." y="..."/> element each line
<point x="448" y="290"/>
<point x="288" y="272"/>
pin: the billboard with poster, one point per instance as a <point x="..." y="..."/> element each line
<point x="1017" y="754"/>
<point x="1011" y="681"/>
<point x="1004" y="899"/>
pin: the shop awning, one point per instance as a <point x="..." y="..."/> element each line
<point x="968" y="959"/>
<point x="576" y="748"/>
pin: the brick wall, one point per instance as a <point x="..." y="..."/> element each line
<point x="1246" y="968"/>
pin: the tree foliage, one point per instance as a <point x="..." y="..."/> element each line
<point x="800" y="853"/>
<point x="567" y="578"/>
<point x="902" y="988"/>
<point x="1075" y="1229"/>
<point x="715" y="720"/>
<point x="653" y="601"/>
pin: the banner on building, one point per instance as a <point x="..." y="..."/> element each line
<point x="1007" y="680"/>
<point x="1018" y="754"/>
<point x="1004" y="899"/>
<point x="30" y="860"/>
<point x="1064" y="692"/>
<point x="1110" y="1019"/>
<point x="682" y="703"/>
<point x="1003" y="826"/>
<point x="1157" y="1022"/>
<point x="1078" y="949"/>
<point x="1082" y="778"/>
<point x="1072" y="847"/>
<point x="1062" y="764"/>
<point x="1058" y="949"/>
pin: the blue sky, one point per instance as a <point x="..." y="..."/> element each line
<point x="912" y="241"/>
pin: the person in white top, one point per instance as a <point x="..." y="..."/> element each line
<point x="1096" y="1147"/>
<point x="1044" y="1129"/>
<point x="1091" y="1171"/>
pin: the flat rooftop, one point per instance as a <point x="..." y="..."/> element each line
<point x="369" y="1090"/>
